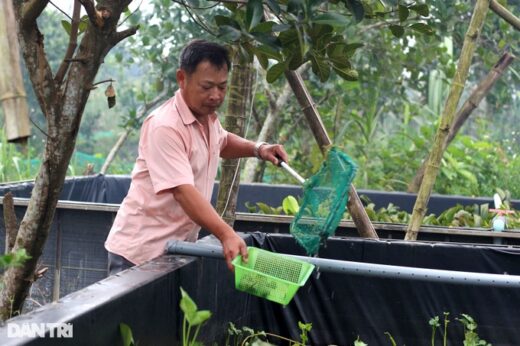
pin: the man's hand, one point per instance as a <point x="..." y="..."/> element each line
<point x="232" y="246"/>
<point x="273" y="153"/>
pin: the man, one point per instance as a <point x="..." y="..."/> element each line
<point x="173" y="177"/>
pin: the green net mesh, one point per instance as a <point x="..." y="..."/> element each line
<point x="325" y="196"/>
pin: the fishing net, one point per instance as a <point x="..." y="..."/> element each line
<point x="325" y="196"/>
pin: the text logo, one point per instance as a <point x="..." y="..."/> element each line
<point x="42" y="330"/>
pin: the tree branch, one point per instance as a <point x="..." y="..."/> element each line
<point x="72" y="44"/>
<point x="121" y="35"/>
<point x="32" y="10"/>
<point x="505" y="14"/>
<point x="94" y="15"/>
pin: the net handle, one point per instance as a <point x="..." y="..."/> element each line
<point x="291" y="171"/>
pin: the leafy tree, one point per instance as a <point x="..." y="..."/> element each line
<point x="62" y="97"/>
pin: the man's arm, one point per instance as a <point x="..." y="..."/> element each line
<point x="240" y="147"/>
<point x="201" y="212"/>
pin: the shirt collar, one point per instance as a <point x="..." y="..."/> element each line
<point x="185" y="111"/>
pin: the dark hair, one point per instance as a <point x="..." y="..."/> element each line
<point x="198" y="51"/>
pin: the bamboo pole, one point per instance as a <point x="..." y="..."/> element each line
<point x="457" y="85"/>
<point x="12" y="92"/>
<point x="354" y="205"/>
<point x="505" y="14"/>
<point x="465" y="111"/>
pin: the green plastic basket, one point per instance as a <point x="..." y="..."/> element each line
<point x="269" y="275"/>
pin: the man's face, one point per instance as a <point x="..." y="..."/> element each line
<point x="204" y="90"/>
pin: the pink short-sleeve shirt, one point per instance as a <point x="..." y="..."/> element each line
<point x="173" y="151"/>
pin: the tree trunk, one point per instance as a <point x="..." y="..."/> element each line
<point x="12" y="91"/>
<point x="239" y="99"/>
<point x="354" y="205"/>
<point x="62" y="104"/>
<point x="465" y="111"/>
<point x="434" y="160"/>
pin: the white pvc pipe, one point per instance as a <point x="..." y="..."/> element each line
<point x="367" y="269"/>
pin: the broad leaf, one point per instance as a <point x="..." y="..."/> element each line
<point x="294" y="60"/>
<point x="421" y="9"/>
<point x="273" y="5"/>
<point x="225" y="20"/>
<point x="229" y="33"/>
<point x="126" y="334"/>
<point x="268" y="52"/>
<point x="288" y="37"/>
<point x="188" y="306"/>
<point x="331" y="18"/>
<point x="274" y="72"/>
<point x="295" y="6"/>
<point x="201" y="317"/>
<point x="67" y="26"/>
<point x="346" y="73"/>
<point x="320" y="67"/>
<point x="254" y="13"/>
<point x="356" y="7"/>
<point x="267" y="40"/>
<point x="351" y="48"/>
<point x="290" y="205"/>
<point x="403" y="13"/>
<point x="422" y="28"/>
<point x="397" y="30"/>
<point x="263" y="27"/>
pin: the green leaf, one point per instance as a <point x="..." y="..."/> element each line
<point x="201" y="317"/>
<point x="397" y="30"/>
<point x="320" y="67"/>
<point x="267" y="40"/>
<point x="403" y="13"/>
<point x="273" y="5"/>
<point x="294" y="60"/>
<point x="268" y="52"/>
<point x="250" y="208"/>
<point x="356" y="7"/>
<point x="421" y="9"/>
<point x="290" y="205"/>
<point x="346" y="73"/>
<point x="126" y="334"/>
<point x="188" y="306"/>
<point x="262" y="60"/>
<point x="229" y="33"/>
<point x="264" y="27"/>
<point x="275" y="72"/>
<point x="67" y="26"/>
<point x="422" y="28"/>
<point x="351" y="48"/>
<point x="288" y="37"/>
<point x="264" y="208"/>
<point x="331" y="18"/>
<point x="225" y="20"/>
<point x="254" y="13"/>
<point x="295" y="6"/>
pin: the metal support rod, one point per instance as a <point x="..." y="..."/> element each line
<point x="367" y="269"/>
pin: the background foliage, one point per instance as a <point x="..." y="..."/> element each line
<point x="385" y="120"/>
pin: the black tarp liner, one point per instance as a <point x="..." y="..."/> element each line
<point x="340" y="307"/>
<point x="113" y="188"/>
<point x="75" y="243"/>
<point x="343" y="307"/>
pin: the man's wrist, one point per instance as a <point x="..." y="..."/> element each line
<point x="256" y="149"/>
